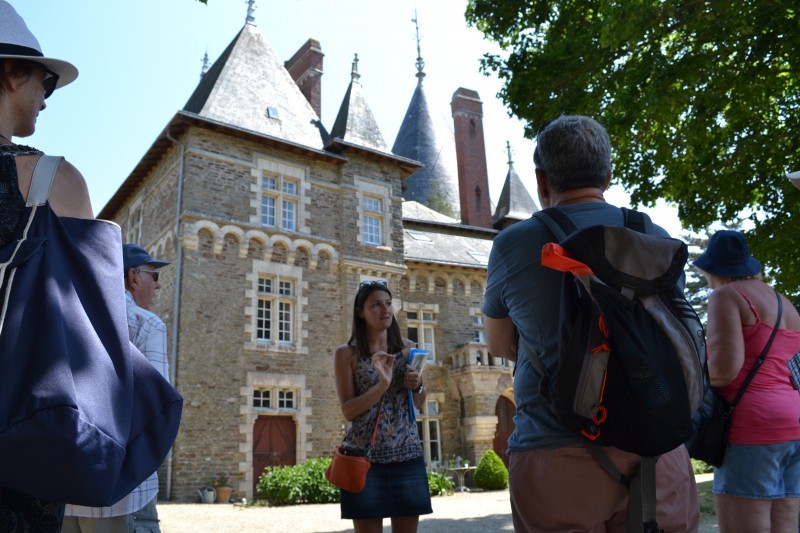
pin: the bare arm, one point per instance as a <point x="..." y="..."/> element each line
<point x="69" y="196"/>
<point x="724" y="337"/>
<point x="501" y="338"/>
<point x="344" y="372"/>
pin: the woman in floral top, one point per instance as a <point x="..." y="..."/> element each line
<point x="372" y="373"/>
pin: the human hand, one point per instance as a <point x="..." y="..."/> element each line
<point x="412" y="379"/>
<point x="383" y="363"/>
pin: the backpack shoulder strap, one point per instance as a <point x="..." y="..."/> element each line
<point x="637" y="221"/>
<point x="42" y="181"/>
<point x="557" y="221"/>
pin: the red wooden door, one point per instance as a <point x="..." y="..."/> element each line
<point x="273" y="444"/>
<point x="504" y="409"/>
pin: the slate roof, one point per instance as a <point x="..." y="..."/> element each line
<point x="515" y="201"/>
<point x="249" y="87"/>
<point x="427" y="137"/>
<point x="355" y="123"/>
<point x="432" y="246"/>
<point x="416" y="211"/>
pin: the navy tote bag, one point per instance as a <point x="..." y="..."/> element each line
<point x="84" y="417"/>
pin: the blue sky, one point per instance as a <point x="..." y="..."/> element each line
<point x="139" y="62"/>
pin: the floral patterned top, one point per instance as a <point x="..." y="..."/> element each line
<point x="397" y="439"/>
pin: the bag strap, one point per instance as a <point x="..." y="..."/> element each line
<point x="44" y="174"/>
<point x="761" y="357"/>
<point x="375" y="429"/>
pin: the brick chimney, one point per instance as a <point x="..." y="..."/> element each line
<point x="305" y="67"/>
<point x="473" y="178"/>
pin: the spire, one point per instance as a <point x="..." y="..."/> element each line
<point x="251" y="9"/>
<point x="204" y="68"/>
<point x="420" y="61"/>
<point x="354" y="75"/>
<point x="510" y="161"/>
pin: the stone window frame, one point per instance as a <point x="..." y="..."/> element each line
<point x="262" y="396"/>
<point x="276" y="271"/>
<point x="478" y="325"/>
<point x="421" y="324"/>
<point x="284" y="173"/>
<point x="365" y="190"/>
<point x="133" y="232"/>
<point x="424" y="421"/>
<point x="277" y="298"/>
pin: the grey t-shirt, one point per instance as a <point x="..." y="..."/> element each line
<point x="519" y="287"/>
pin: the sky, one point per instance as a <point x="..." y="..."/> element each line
<point x="139" y="62"/>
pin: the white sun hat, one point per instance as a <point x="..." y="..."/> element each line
<point x="17" y="42"/>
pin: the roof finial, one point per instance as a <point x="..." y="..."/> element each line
<point x="510" y="160"/>
<point x="354" y="75"/>
<point x="251" y="9"/>
<point x="420" y="62"/>
<point x="204" y="68"/>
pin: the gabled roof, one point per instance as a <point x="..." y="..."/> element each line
<point x="515" y="201"/>
<point x="416" y="211"/>
<point x="427" y="138"/>
<point x="248" y="87"/>
<point x="427" y="245"/>
<point x="355" y="123"/>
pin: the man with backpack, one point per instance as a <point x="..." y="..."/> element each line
<point x="556" y="482"/>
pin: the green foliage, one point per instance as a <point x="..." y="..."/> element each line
<point x="701" y="100"/>
<point x="303" y="483"/>
<point x="699" y="467"/>
<point x="491" y="473"/>
<point x="440" y="484"/>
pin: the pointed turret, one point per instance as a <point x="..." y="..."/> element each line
<point x="515" y="202"/>
<point x="427" y="137"/>
<point x="355" y="123"/>
<point x="248" y="87"/>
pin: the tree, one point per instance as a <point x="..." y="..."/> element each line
<point x="701" y="100"/>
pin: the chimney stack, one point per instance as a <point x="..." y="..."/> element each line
<point x="305" y="67"/>
<point x="473" y="178"/>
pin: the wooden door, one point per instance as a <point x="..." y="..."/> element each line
<point x="504" y="409"/>
<point x="273" y="444"/>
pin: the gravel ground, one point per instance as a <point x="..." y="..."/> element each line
<point x="464" y="512"/>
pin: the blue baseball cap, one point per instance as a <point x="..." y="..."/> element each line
<point x="134" y="256"/>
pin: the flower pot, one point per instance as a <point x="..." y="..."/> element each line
<point x="223" y="494"/>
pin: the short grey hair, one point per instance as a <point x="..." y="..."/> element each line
<point x="573" y="151"/>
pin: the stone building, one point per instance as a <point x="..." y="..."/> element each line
<point x="271" y="222"/>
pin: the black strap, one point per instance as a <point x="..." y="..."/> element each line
<point x="761" y="357"/>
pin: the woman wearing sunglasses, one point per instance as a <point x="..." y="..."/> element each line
<point x="27" y="78"/>
<point x="373" y="380"/>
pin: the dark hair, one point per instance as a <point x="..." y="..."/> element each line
<point x="573" y="151"/>
<point x="21" y="68"/>
<point x="358" y="337"/>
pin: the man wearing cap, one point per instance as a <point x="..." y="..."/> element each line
<point x="148" y="333"/>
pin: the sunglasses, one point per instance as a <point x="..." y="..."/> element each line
<point x="372" y="283"/>
<point x="49" y="83"/>
<point x="154" y="273"/>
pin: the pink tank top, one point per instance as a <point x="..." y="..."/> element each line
<point x="769" y="411"/>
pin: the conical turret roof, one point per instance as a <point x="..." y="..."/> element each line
<point x="355" y="123"/>
<point x="515" y="201"/>
<point x="249" y="87"/>
<point x="426" y="137"/>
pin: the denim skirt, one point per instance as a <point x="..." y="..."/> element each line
<point x="392" y="490"/>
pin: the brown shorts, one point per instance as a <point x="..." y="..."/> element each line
<point x="566" y="490"/>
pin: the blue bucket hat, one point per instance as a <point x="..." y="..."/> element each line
<point x="134" y="256"/>
<point x="728" y="256"/>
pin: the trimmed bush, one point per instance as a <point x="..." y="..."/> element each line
<point x="699" y="467"/>
<point x="491" y="473"/>
<point x="440" y="484"/>
<point x="303" y="483"/>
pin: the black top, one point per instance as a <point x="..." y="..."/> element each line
<point x="20" y="512"/>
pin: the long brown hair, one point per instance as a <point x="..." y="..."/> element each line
<point x="358" y="336"/>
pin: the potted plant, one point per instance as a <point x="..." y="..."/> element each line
<point x="221" y="483"/>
